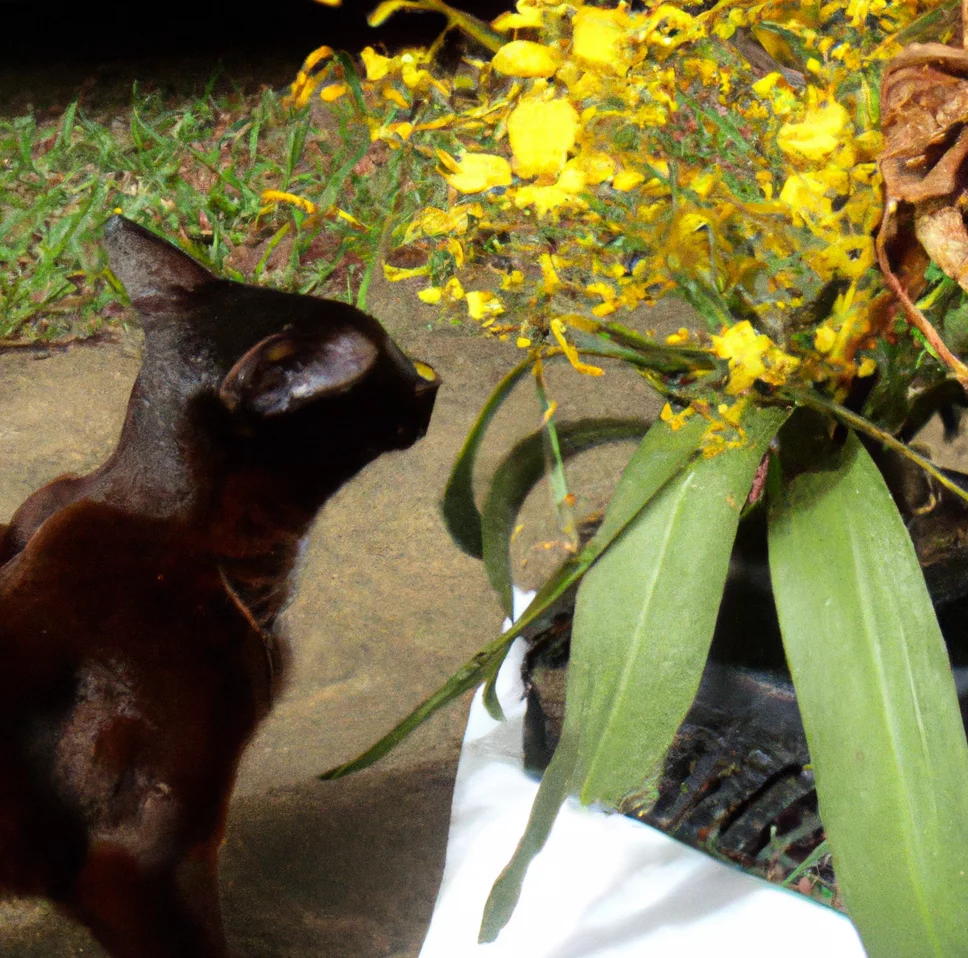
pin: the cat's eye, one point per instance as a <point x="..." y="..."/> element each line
<point x="424" y="371"/>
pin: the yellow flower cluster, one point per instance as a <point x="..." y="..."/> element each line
<point x="752" y="357"/>
<point x="726" y="156"/>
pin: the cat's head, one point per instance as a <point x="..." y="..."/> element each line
<point x="275" y="361"/>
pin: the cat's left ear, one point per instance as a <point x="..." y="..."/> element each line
<point x="286" y="371"/>
<point x="159" y="277"/>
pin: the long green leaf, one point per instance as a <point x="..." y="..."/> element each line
<point x="517" y="475"/>
<point x="878" y="703"/>
<point x="643" y="624"/>
<point x="461" y="515"/>
<point x="660" y="455"/>
<point x="645" y="617"/>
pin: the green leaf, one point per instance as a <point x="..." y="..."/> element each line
<point x="554" y="789"/>
<point x="517" y="475"/>
<point x="643" y="624"/>
<point x="645" y="617"/>
<point x="461" y="515"/>
<point x="878" y="703"/>
<point x="660" y="455"/>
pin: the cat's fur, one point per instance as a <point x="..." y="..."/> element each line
<point x="138" y="604"/>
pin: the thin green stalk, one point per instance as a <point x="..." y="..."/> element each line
<point x="858" y="422"/>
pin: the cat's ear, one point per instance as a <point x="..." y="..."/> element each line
<point x="159" y="277"/>
<point x="286" y="371"/>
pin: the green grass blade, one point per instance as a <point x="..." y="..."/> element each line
<point x="519" y="472"/>
<point x="461" y="515"/>
<point x="878" y="703"/>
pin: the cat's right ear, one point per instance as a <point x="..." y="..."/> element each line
<point x="159" y="277"/>
<point x="285" y="371"/>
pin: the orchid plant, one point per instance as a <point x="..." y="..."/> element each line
<point x="590" y="159"/>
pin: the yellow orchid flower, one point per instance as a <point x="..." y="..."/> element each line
<point x="752" y="356"/>
<point x="541" y="132"/>
<point x="523" y="58"/>
<point x="482" y="304"/>
<point x="377" y="66"/>
<point x="474" y="172"/>
<point x="821" y="131"/>
<point x="600" y="39"/>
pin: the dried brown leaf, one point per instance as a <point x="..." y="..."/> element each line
<point x="924" y="103"/>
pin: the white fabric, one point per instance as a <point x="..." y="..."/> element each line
<point x="604" y="885"/>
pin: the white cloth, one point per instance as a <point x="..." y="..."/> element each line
<point x="604" y="886"/>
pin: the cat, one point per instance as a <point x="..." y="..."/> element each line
<point x="139" y="603"/>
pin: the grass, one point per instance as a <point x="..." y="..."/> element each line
<point x="194" y="171"/>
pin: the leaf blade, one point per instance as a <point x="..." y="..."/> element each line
<point x="461" y="515"/>
<point x="646" y="613"/>
<point x="570" y="763"/>
<point x="878" y="703"/>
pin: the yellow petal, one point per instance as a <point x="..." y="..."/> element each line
<point x="818" y="135"/>
<point x="278" y="196"/>
<point x="596" y="165"/>
<point x="551" y="280"/>
<point x="385" y="10"/>
<point x="377" y="66"/>
<point x="475" y="172"/>
<point x="332" y="91"/>
<point x="600" y="39"/>
<point x="403" y="130"/>
<point x="522" y="58"/>
<point x="432" y="294"/>
<point x="526" y="17"/>
<point x="320" y="53"/>
<point x="824" y="339"/>
<point x="482" y="304"/>
<point x="627" y="180"/>
<point x="546" y="199"/>
<point x="522" y="342"/>
<point x="456" y="250"/>
<point x="349" y="218"/>
<point x="541" y="133"/>
<point x="453" y="290"/>
<point x="558" y="330"/>
<point x="396" y="273"/>
<point x="392" y="94"/>
<point x="572" y="180"/>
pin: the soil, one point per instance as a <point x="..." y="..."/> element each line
<point x="386" y="608"/>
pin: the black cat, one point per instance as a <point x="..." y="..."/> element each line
<point x="138" y="604"/>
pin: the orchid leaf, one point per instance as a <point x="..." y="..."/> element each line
<point x="878" y="702"/>
<point x="659" y="457"/>
<point x="643" y="624"/>
<point x="461" y="515"/>
<point x="518" y="474"/>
